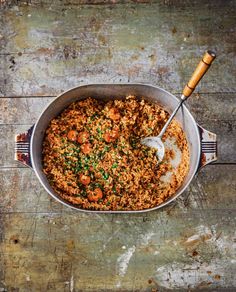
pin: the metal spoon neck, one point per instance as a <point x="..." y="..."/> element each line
<point x="171" y="118"/>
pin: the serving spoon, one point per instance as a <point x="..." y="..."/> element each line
<point x="203" y="66"/>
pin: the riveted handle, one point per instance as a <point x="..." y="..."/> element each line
<point x="208" y="147"/>
<point x="199" y="72"/>
<point x="22" y="147"/>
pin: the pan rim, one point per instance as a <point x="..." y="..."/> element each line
<point x="59" y="199"/>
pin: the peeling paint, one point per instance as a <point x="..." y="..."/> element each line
<point x="181" y="276"/>
<point x="123" y="260"/>
<point x="145" y="239"/>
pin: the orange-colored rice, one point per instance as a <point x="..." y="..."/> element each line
<point x="122" y="173"/>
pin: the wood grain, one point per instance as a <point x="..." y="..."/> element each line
<point x="72" y="3"/>
<point x="65" y="247"/>
<point x="47" y="51"/>
<point x="54" y="3"/>
<point x="103" y="253"/>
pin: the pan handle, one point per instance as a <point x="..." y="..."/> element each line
<point x="208" y="147"/>
<point x="22" y="147"/>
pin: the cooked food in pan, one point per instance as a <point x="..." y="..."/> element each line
<point x="93" y="158"/>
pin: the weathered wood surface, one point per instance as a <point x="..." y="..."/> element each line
<point x="66" y="252"/>
<point x="47" y="47"/>
<point x="184" y="245"/>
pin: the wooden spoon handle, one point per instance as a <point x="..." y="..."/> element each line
<point x="199" y="72"/>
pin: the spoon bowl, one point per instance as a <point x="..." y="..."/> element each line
<point x="156" y="143"/>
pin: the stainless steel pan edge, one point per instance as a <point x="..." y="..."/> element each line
<point x="202" y="143"/>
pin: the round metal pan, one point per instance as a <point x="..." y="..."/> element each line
<point x="202" y="143"/>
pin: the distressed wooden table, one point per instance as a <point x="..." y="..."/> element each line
<point x="49" y="46"/>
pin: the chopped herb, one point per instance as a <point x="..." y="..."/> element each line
<point x="133" y="143"/>
<point x="98" y="185"/>
<point x="86" y="159"/>
<point x="94" y="116"/>
<point x="99" y="133"/>
<point x="105" y="175"/>
<point x="106" y="148"/>
<point x="83" y="193"/>
<point x="69" y="154"/>
<point x="145" y="150"/>
<point x="100" y="154"/>
<point x="79" y="184"/>
<point x="114" y="165"/>
<point x="78" y="166"/>
<point x="86" y="167"/>
<point x="94" y="164"/>
<point x="71" y="149"/>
